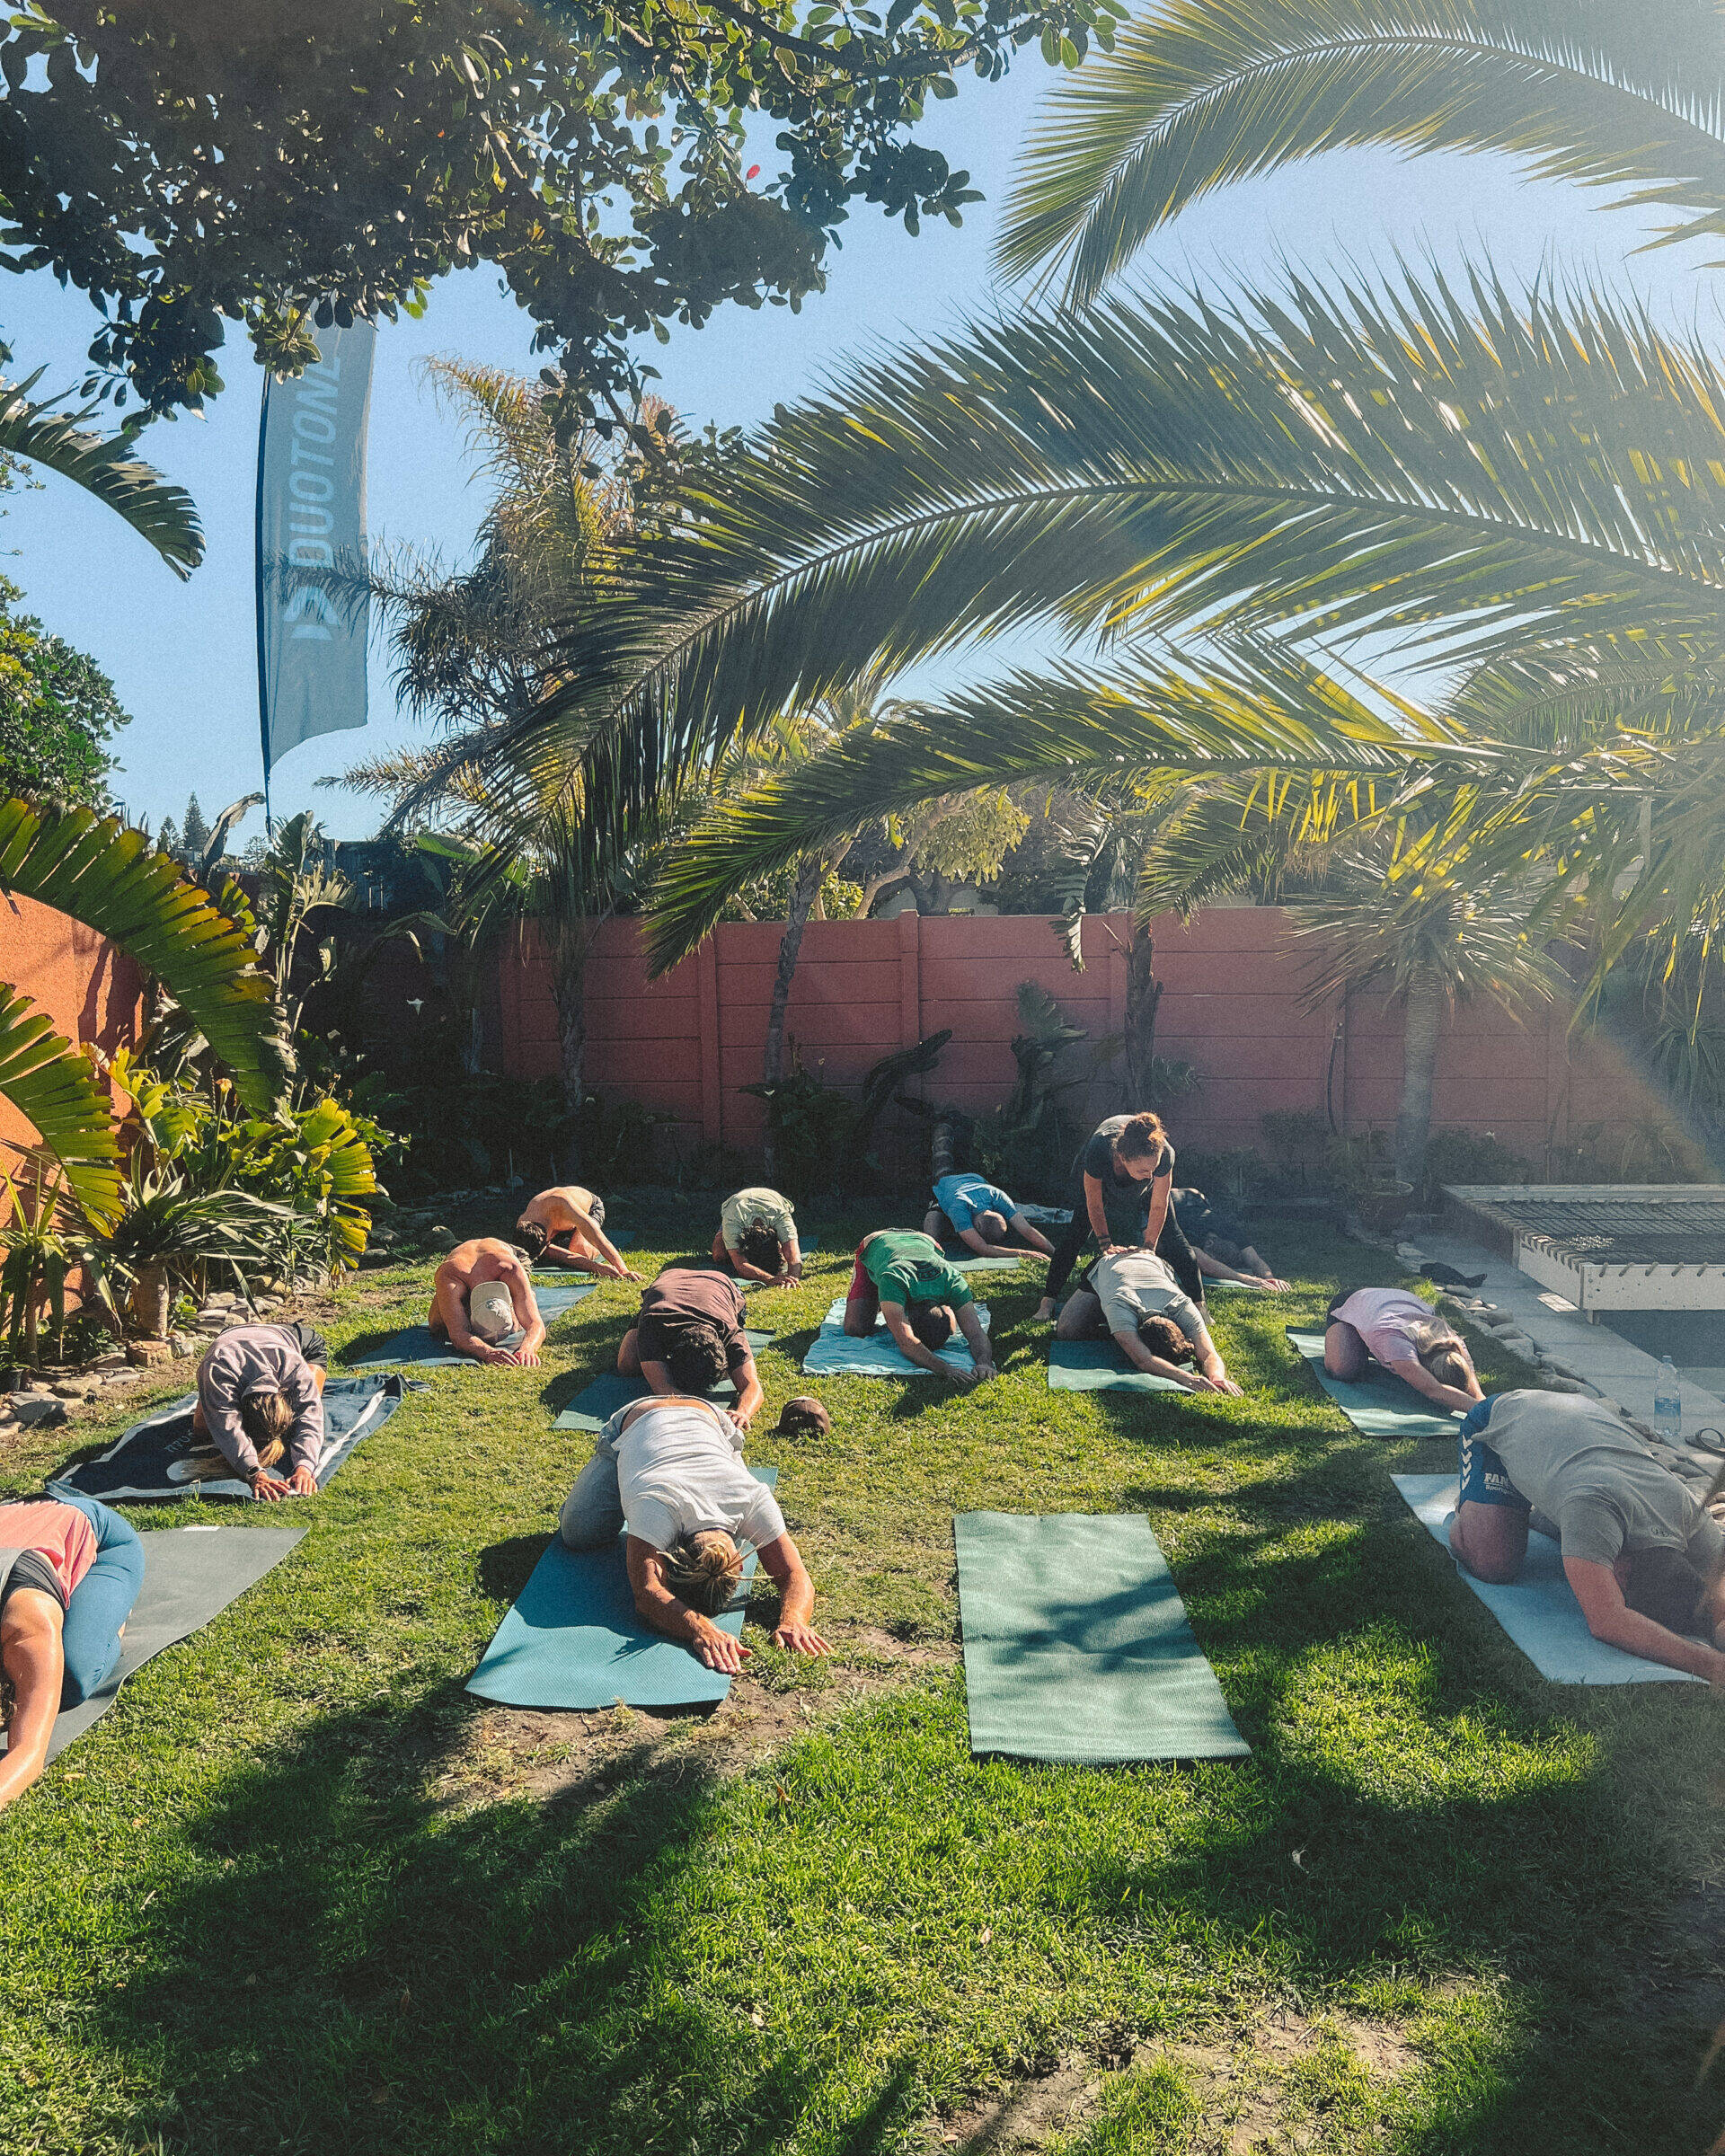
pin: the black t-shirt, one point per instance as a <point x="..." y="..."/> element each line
<point x="1098" y="1158"/>
<point x="1203" y="1223"/>
<point x="681" y="1301"/>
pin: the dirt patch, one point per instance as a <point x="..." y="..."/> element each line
<point x="512" y="1752"/>
<point x="1270" y="2084"/>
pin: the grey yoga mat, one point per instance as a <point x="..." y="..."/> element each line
<point x="1538" y="1609"/>
<point x="598" y="1401"/>
<point x="573" y="1639"/>
<point x="1380" y="1405"/>
<point x="1076" y="1646"/>
<point x="415" y="1344"/>
<point x="190" y="1575"/>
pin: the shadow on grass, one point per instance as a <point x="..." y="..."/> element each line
<point x="504" y="1567"/>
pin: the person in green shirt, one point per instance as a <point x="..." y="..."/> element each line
<point x="921" y="1295"/>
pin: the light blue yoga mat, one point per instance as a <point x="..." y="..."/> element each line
<point x="835" y="1352"/>
<point x="416" y="1343"/>
<point x="1099" y="1367"/>
<point x="1380" y="1405"/>
<point x="1538" y="1609"/>
<point x="1076" y="1646"/>
<point x="573" y="1639"/>
<point x="598" y="1402"/>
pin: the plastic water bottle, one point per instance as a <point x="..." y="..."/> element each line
<point x="1668" y="1404"/>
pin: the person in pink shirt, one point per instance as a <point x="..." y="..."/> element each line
<point x="69" y="1573"/>
<point x="1390" y="1326"/>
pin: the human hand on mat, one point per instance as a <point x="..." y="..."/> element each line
<point x="800" y="1639"/>
<point x="524" y="1358"/>
<point x="1200" y="1383"/>
<point x="717" y="1650"/>
<point x="265" y="1487"/>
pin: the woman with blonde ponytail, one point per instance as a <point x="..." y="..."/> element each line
<point x="670" y="1470"/>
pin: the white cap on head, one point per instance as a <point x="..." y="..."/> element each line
<point x="490" y="1312"/>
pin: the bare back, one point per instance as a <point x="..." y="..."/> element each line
<point x="563" y="1206"/>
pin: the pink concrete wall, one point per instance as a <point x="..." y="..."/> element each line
<point x="1231" y="1006"/>
<point x="89" y="990"/>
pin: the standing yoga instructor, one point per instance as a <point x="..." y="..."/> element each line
<point x="1122" y="1182"/>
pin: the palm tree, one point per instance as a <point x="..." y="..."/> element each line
<point x="101" y="873"/>
<point x="1630" y="100"/>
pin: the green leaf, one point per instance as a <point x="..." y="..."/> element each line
<point x="50" y="1083"/>
<point x="104" y="466"/>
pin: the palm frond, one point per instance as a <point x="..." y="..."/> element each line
<point x="100" y="872"/>
<point x="1257" y="710"/>
<point x="104" y="466"/>
<point x="54" y="1087"/>
<point x="1470" y="477"/>
<point x="1195" y="95"/>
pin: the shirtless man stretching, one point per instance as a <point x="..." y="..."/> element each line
<point x="480" y="1259"/>
<point x="565" y="1222"/>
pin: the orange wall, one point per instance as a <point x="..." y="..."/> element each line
<point x="90" y="990"/>
<point x="1231" y="1006"/>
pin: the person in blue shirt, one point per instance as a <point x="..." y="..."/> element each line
<point x="971" y="1210"/>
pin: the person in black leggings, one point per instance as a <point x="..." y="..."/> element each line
<point x="1122" y="1187"/>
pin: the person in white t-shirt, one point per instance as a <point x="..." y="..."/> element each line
<point x="756" y="1238"/>
<point x="669" y="1471"/>
<point x="1388" y="1325"/>
<point x="1136" y="1297"/>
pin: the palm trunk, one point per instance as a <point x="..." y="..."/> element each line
<point x="1425" y="1013"/>
<point x="804" y="891"/>
<point x="569" y="992"/>
<point x="1143" y="993"/>
<point x="152" y="1297"/>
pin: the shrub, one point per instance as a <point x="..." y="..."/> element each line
<point x="1468" y="1156"/>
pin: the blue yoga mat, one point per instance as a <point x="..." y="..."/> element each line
<point x="1076" y="1646"/>
<point x="416" y="1345"/>
<point x="1537" y="1609"/>
<point x="1099" y="1367"/>
<point x="598" y="1401"/>
<point x="1380" y="1405"/>
<point x="573" y="1639"/>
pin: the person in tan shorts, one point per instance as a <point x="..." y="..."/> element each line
<point x="566" y="1224"/>
<point x="470" y="1314"/>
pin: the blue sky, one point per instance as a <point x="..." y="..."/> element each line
<point x="182" y="656"/>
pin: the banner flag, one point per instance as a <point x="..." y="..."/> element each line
<point x="313" y="612"/>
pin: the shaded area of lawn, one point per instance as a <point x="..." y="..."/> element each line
<point x="283" y="1899"/>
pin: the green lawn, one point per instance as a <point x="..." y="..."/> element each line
<point x="299" y="1892"/>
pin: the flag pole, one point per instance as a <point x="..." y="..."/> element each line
<point x="257" y="549"/>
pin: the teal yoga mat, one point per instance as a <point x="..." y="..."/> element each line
<point x="1099" y="1367"/>
<point x="1537" y="1610"/>
<point x="598" y="1402"/>
<point x="415" y="1344"/>
<point x="834" y="1353"/>
<point x="573" y="1639"/>
<point x="1076" y="1646"/>
<point x="1380" y="1405"/>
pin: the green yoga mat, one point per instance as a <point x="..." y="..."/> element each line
<point x="1380" y="1405"/>
<point x="598" y="1401"/>
<point x="1076" y="1646"/>
<point x="1099" y="1367"/>
<point x="573" y="1639"/>
<point x="967" y="1260"/>
<point x="418" y="1345"/>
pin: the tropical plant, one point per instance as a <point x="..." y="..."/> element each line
<point x="1624" y="99"/>
<point x="57" y="712"/>
<point x="105" y="876"/>
<point x="102" y="466"/>
<point x="40" y="1250"/>
<point x="600" y="159"/>
<point x="822" y="1138"/>
<point x="169" y="1232"/>
<point x="1448" y="944"/>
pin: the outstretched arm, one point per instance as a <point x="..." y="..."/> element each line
<point x="1097" y="1209"/>
<point x="1610" y="1617"/>
<point x="1140" y="1357"/>
<point x="1210" y="1365"/>
<point x="655" y="1604"/>
<point x="982" y="1349"/>
<point x="515" y="1277"/>
<point x="1413" y="1372"/>
<point x="33" y="1655"/>
<point x="1032" y="1234"/>
<point x="906" y="1341"/>
<point x="782" y="1564"/>
<point x="741" y="1265"/>
<point x="747" y="1379"/>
